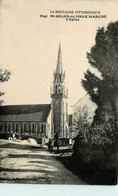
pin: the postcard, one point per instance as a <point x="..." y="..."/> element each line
<point x="59" y="92"/>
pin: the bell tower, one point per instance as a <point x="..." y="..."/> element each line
<point x="59" y="96"/>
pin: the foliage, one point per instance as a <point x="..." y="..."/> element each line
<point x="103" y="90"/>
<point x="103" y="56"/>
<point x="100" y="134"/>
<point x="4" y="76"/>
<point x="81" y="123"/>
<point x="105" y="133"/>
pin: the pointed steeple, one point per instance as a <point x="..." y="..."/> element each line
<point x="59" y="68"/>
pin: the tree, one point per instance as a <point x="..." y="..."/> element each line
<point x="4" y="76"/>
<point x="104" y="57"/>
<point x="103" y="134"/>
<point x="81" y="123"/>
<point x="103" y="90"/>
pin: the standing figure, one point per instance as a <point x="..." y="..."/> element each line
<point x="50" y="145"/>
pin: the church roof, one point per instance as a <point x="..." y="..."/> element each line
<point x="35" y="112"/>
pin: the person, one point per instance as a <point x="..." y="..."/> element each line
<point x="50" y="145"/>
<point x="57" y="144"/>
<point x="57" y="140"/>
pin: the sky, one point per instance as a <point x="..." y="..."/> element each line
<point x="29" y="46"/>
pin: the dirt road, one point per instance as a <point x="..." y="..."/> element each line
<point x="26" y="164"/>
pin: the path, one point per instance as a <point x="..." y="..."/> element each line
<point x="21" y="164"/>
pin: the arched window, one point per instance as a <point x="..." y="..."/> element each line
<point x="0" y="127"/>
<point x="59" y="88"/>
<point x="25" y="128"/>
<point x="3" y="127"/>
<point x="17" y="128"/>
<point x="42" y="128"/>
<point x="56" y="89"/>
<point x="30" y="128"/>
<point x="9" y="127"/>
<point x="33" y="127"/>
<point x="22" y="128"/>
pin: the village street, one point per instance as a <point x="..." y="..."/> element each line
<point x="31" y="164"/>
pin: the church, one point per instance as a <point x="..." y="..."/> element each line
<point x="40" y="121"/>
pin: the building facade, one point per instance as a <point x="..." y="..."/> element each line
<point x="59" y="105"/>
<point x="39" y="121"/>
<point x="25" y="121"/>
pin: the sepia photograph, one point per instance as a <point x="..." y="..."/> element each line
<point x="58" y="92"/>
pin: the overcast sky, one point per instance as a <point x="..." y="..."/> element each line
<point x="29" y="46"/>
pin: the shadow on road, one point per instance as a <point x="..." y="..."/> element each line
<point x="25" y="170"/>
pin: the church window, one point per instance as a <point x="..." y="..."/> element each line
<point x="9" y="128"/>
<point x="33" y="127"/>
<point x="3" y="127"/>
<point x="36" y="127"/>
<point x="30" y="128"/>
<point x="22" y="128"/>
<point x="12" y="127"/>
<point x="0" y="127"/>
<point x="17" y="128"/>
<point x="56" y="89"/>
<point x="59" y="88"/>
<point x="42" y="128"/>
<point x="25" y="128"/>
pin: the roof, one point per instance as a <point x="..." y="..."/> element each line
<point x="35" y="112"/>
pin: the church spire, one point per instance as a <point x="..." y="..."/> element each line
<point x="59" y="68"/>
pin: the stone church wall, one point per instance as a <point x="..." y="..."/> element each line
<point x="31" y="129"/>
